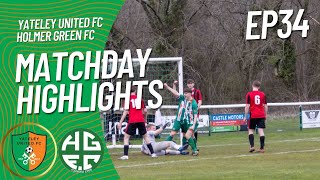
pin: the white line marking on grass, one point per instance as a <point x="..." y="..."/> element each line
<point x="213" y="158"/>
<point x="239" y="144"/>
<point x="269" y="142"/>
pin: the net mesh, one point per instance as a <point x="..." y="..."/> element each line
<point x="165" y="71"/>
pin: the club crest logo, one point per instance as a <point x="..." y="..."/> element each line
<point x="81" y="150"/>
<point x="29" y="149"/>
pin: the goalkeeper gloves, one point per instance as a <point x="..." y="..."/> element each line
<point x="165" y="125"/>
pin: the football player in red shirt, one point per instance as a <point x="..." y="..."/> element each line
<point x="256" y="105"/>
<point x="136" y="121"/>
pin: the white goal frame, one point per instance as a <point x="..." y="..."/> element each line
<point x="180" y="90"/>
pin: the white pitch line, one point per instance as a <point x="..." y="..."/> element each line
<point x="270" y="142"/>
<point x="239" y="144"/>
<point x="213" y="158"/>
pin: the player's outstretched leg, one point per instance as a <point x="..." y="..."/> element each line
<point x="169" y="138"/>
<point x="172" y="134"/>
<point x="125" y="147"/>
<point x="149" y="145"/>
<point x="193" y="146"/>
<point x="161" y="153"/>
<point x="174" y="152"/>
<point x="196" y="136"/>
<point x="176" y="127"/>
<point x="189" y="134"/>
<point x="151" y="150"/>
<point x="185" y="143"/>
<point x="172" y="145"/>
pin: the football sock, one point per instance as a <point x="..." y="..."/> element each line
<point x="169" y="138"/>
<point x="196" y="135"/>
<point x="262" y="142"/>
<point x="184" y="141"/>
<point x="195" y="140"/>
<point x="126" y="150"/>
<point x="150" y="148"/>
<point x="192" y="144"/>
<point x="251" y="140"/>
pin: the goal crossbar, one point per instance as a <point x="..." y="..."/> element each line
<point x="164" y="59"/>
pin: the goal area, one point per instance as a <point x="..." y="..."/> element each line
<point x="167" y="70"/>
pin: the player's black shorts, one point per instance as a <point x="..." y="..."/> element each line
<point x="256" y="122"/>
<point x="131" y="128"/>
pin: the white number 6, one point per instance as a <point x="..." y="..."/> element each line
<point x="257" y="99"/>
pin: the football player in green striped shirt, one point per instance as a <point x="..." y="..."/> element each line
<point x="186" y="119"/>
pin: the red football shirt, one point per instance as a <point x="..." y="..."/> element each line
<point x="135" y="115"/>
<point x="196" y="94"/>
<point x="256" y="99"/>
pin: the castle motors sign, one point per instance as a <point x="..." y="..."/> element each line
<point x="311" y="119"/>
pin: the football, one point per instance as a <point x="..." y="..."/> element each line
<point x="29" y="149"/>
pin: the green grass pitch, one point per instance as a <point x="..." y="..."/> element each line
<point x="290" y="154"/>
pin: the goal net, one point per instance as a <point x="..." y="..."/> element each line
<point x="166" y="70"/>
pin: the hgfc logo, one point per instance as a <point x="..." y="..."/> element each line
<point x="80" y="150"/>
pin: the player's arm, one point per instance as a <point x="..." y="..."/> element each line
<point x="173" y="91"/>
<point x="124" y="114"/>
<point x="246" y="108"/>
<point x="194" y="115"/>
<point x="200" y="99"/>
<point x="265" y="107"/>
<point x="174" y="85"/>
<point x="246" y="111"/>
<point x="158" y="131"/>
<point x="145" y="113"/>
<point x="199" y="103"/>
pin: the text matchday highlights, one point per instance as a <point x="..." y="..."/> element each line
<point x="105" y="66"/>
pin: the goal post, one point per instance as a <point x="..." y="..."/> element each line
<point x="166" y="69"/>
